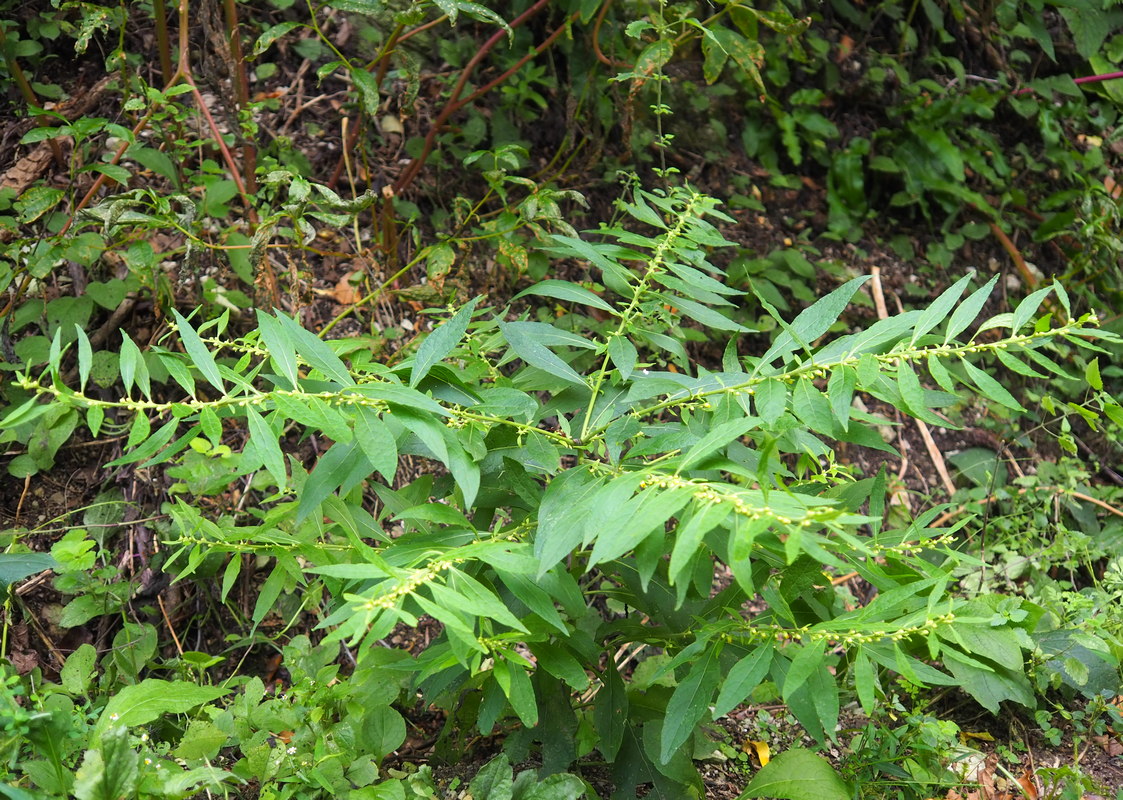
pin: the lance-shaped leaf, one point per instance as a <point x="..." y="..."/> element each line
<point x="197" y="351"/>
<point x="812" y="322"/>
<point x="316" y="352"/>
<point x="441" y="341"/>
<point x="689" y="703"/>
<point x="569" y="292"/>
<point x="968" y="310"/>
<point x="939" y="309"/>
<point x="280" y="346"/>
<point x="526" y="339"/>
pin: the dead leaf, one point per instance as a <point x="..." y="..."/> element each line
<point x="28" y="169"/>
<point x="763" y="754"/>
<point x="986" y="778"/>
<point x="1109" y="744"/>
<point x="346" y="293"/>
<point x="965" y="736"/>
<point x="1028" y="785"/>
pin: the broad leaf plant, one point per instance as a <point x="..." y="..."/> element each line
<point x="595" y="499"/>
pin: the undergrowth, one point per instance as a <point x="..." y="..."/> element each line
<point x="598" y="480"/>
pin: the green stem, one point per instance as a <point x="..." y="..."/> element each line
<point x="629" y="314"/>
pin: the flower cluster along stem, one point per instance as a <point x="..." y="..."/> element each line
<point x="717" y="493"/>
<point x="850" y="638"/>
<point x="817" y="370"/>
<point x="409" y="585"/>
<point x="654" y="264"/>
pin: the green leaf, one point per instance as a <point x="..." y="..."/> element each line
<point x="745" y="676"/>
<point x="202" y="740"/>
<point x="864" y="681"/>
<point x="468" y="594"/>
<point x="797" y="775"/>
<point x="110" y="770"/>
<point x="610" y="713"/>
<point x="1092" y="375"/>
<point x="376" y="442"/>
<point x="689" y="703"/>
<point x="329" y="474"/>
<point x="991" y="388"/>
<point x="809" y="404"/>
<point x="940" y="373"/>
<point x="315" y="351"/>
<point x="653" y="57"/>
<point x="493" y="782"/>
<point x="152" y="444"/>
<point x="559" y="662"/>
<point x="990" y="687"/>
<point x="1028" y="307"/>
<point x="383" y="731"/>
<point x="912" y="393"/>
<point x="633" y="522"/>
<point x="966" y="312"/>
<point x="703" y="519"/>
<point x="515" y="683"/>
<point x="268" y="593"/>
<point x="525" y="341"/>
<point x="151" y="699"/>
<point x="79" y="668"/>
<point x="718" y="437"/>
<point x="272" y="34"/>
<point x="85" y="357"/>
<point x="367" y="88"/>
<point x="562" y="514"/>
<point x="939" y="309"/>
<point x="998" y="644"/>
<point x="1016" y="365"/>
<point x="812" y="322"/>
<point x="441" y="341"/>
<point x="559" y="786"/>
<point x="198" y="353"/>
<point x="747" y="55"/>
<point x="714" y="56"/>
<point x="840" y="392"/>
<point x="127" y="364"/>
<point x="401" y="396"/>
<point x="703" y="314"/>
<point x="807" y="661"/>
<point x="264" y="440"/>
<point x="569" y="292"/>
<point x="17" y="566"/>
<point x="280" y="346"/>
<point x="771" y="398"/>
<point x="623" y="354"/>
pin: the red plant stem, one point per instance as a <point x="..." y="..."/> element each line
<point x="240" y="77"/>
<point x="452" y="106"/>
<point x="1015" y="254"/>
<point x="183" y="73"/>
<point x="421" y="28"/>
<point x="160" y="17"/>
<point x="1107" y="76"/>
<point x="601" y="57"/>
<point x="487" y="87"/>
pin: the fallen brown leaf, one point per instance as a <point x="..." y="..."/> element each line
<point x="345" y="292"/>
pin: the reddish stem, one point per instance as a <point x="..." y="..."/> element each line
<point x="452" y="106"/>
<point x="1107" y="76"/>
